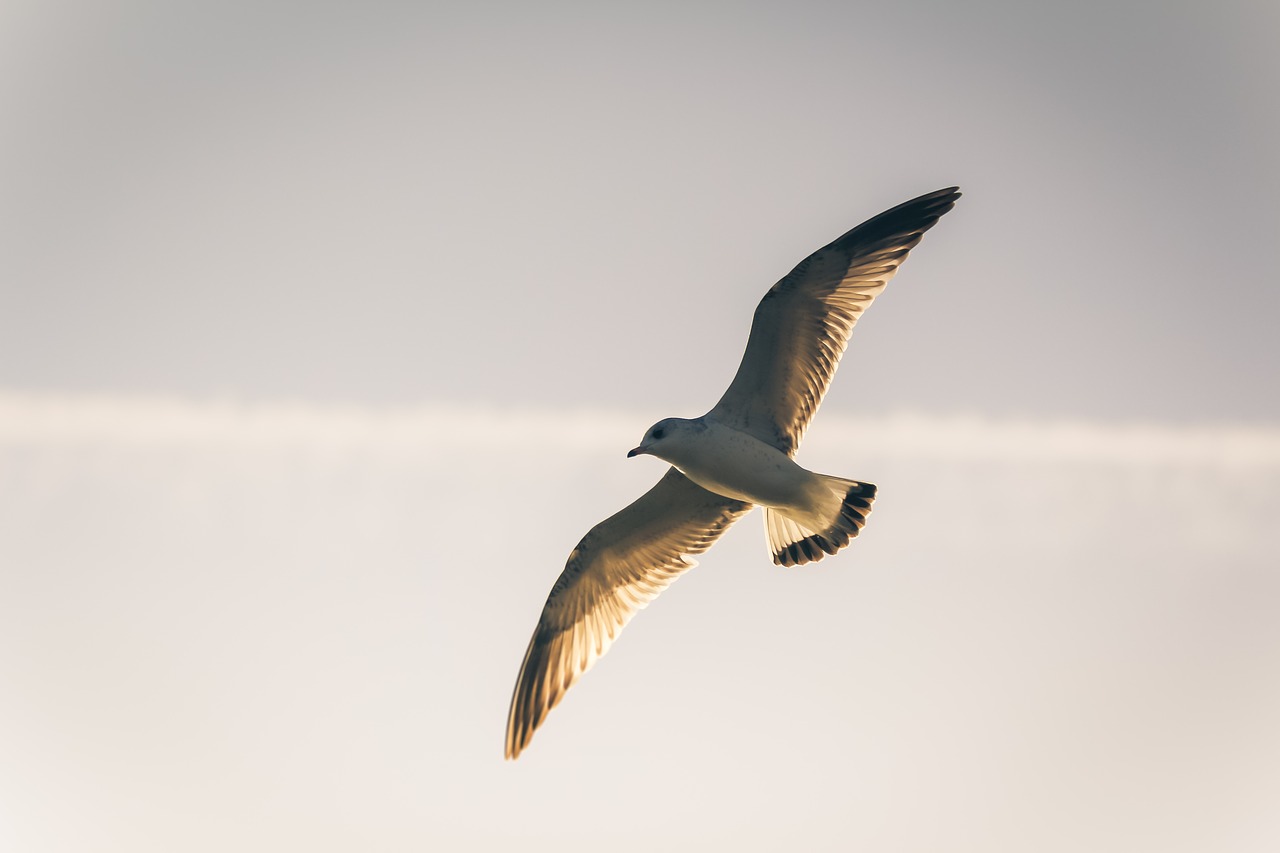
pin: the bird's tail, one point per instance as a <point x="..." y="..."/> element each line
<point x="794" y="543"/>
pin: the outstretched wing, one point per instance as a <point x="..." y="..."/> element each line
<point x="617" y="568"/>
<point x="802" y="325"/>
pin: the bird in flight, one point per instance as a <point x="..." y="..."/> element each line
<point x="735" y="456"/>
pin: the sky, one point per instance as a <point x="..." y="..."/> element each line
<point x="324" y="330"/>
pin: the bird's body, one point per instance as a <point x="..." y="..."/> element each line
<point x="736" y="464"/>
<point x="733" y="463"/>
<point x="738" y="455"/>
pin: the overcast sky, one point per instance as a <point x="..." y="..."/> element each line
<point x="324" y="330"/>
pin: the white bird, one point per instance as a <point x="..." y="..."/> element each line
<point x="737" y="455"/>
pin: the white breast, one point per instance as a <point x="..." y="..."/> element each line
<point x="731" y="463"/>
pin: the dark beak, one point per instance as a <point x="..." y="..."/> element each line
<point x="635" y="451"/>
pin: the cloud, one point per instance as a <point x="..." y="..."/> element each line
<point x="136" y="421"/>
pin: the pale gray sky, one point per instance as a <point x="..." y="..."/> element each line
<point x="324" y="330"/>
<point x="290" y="200"/>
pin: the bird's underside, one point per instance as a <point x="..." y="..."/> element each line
<point x="798" y="335"/>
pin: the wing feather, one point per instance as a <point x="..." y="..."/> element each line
<point x="621" y="565"/>
<point x="802" y="326"/>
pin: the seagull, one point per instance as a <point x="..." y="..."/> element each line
<point x="736" y="456"/>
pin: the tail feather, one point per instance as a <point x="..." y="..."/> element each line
<point x="793" y="543"/>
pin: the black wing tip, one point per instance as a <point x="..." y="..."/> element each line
<point x="947" y="194"/>
<point x="911" y="217"/>
<point x="526" y="715"/>
<point x="530" y="700"/>
<point x="927" y="208"/>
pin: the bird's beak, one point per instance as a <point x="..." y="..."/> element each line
<point x="636" y="451"/>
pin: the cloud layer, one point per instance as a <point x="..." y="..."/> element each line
<point x="154" y="422"/>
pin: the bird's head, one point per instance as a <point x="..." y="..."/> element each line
<point x="663" y="438"/>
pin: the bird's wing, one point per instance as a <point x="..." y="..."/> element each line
<point x="802" y="325"/>
<point x="617" y="568"/>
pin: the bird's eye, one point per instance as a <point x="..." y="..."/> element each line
<point x="657" y="435"/>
